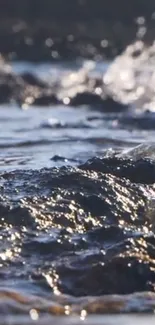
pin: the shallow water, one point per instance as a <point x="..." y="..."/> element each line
<point x="31" y="137"/>
<point x="77" y="237"/>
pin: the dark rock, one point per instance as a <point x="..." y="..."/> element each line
<point x="10" y="86"/>
<point x="89" y="226"/>
<point x="86" y="98"/>
<point x="5" y="93"/>
<point x="33" y="80"/>
<point x="106" y="278"/>
<point x="111" y="105"/>
<point x="58" y="158"/>
<point x="46" y="99"/>
<point x="145" y="121"/>
<point x="25" y="89"/>
<point x="141" y="171"/>
<point x="106" y="104"/>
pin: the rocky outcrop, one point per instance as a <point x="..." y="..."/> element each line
<point x="88" y="227"/>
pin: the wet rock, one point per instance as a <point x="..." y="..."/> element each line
<point x="106" y="104"/>
<point x="111" y="105"/>
<point x="114" y="264"/>
<point x="63" y="159"/>
<point x="31" y="79"/>
<point x="25" y="90"/>
<point x="140" y="171"/>
<point x="5" y="93"/>
<point x="58" y="158"/>
<point x="92" y="279"/>
<point x="86" y="227"/>
<point x="46" y="99"/>
<point x="86" y="98"/>
<point x="10" y="85"/>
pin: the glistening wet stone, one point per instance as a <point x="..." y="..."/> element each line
<point x="86" y="225"/>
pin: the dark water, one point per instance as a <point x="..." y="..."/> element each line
<point x="77" y="195"/>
